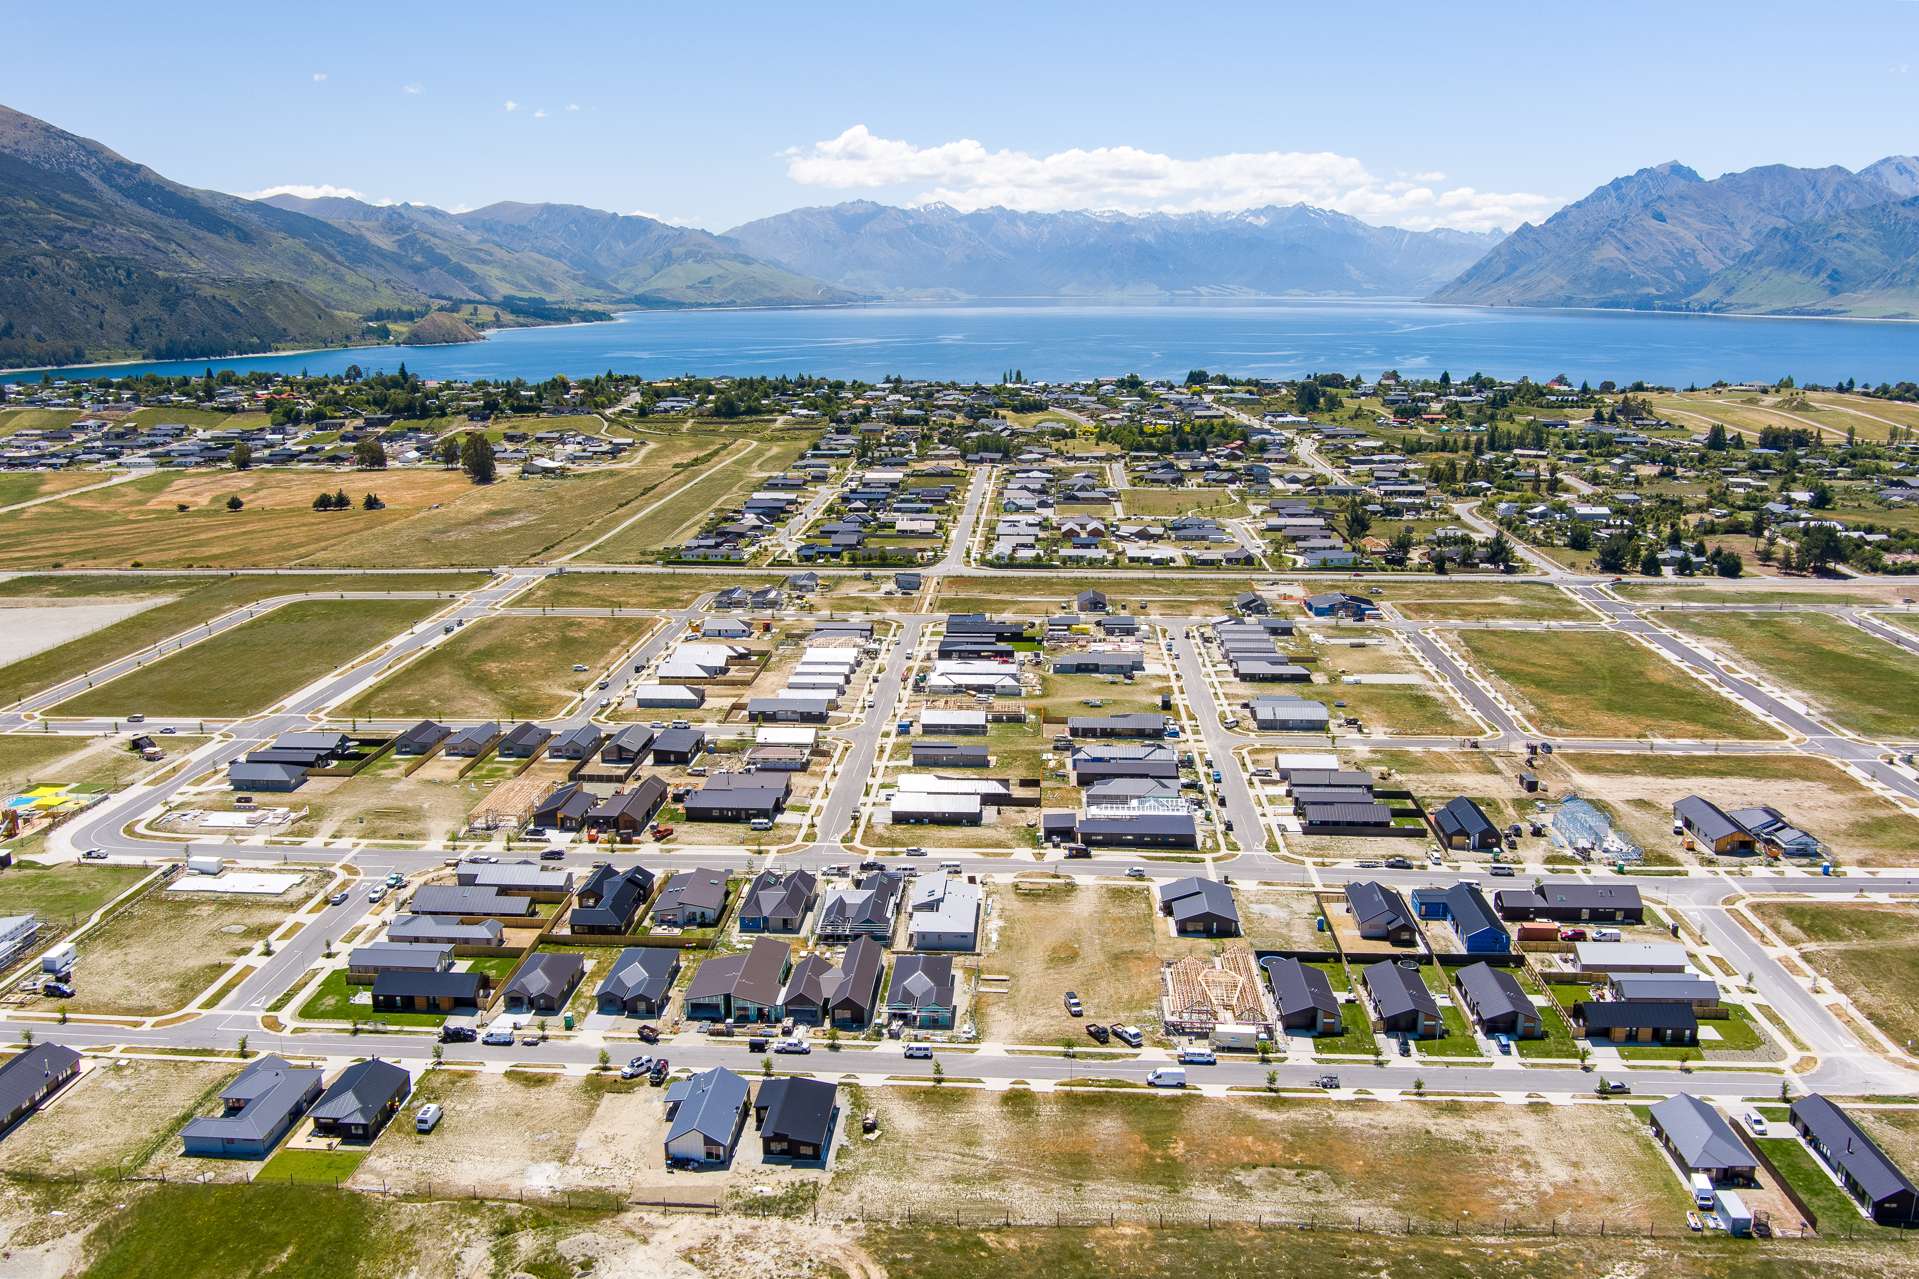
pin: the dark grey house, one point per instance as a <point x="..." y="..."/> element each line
<point x="640" y="982"/>
<point x="691" y="899"/>
<point x="421" y="738"/>
<point x="1380" y="913"/>
<point x="778" y="902"/>
<point x="1576" y="902"/>
<point x="360" y="1100"/>
<point x="796" y="1118"/>
<point x="1861" y="1167"/>
<point x="524" y="741"/>
<point x="949" y="755"/>
<point x="1304" y="997"/>
<point x="1200" y="907"/>
<point x="29" y="1078"/>
<point x="257" y="1109"/>
<point x="1701" y="1140"/>
<point x="542" y="983"/>
<point x="1461" y="824"/>
<point x="1497" y="1002"/>
<point x="609" y="901"/>
<point x="1400" y="997"/>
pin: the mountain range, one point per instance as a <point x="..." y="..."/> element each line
<point x="1771" y="240"/>
<point x="937" y="252"/>
<point x="102" y="258"/>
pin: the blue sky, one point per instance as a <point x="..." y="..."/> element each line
<point x="1471" y="115"/>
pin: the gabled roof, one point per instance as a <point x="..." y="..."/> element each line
<point x="710" y="1104"/>
<point x="1398" y="990"/>
<point x="921" y="981"/>
<point x="1850" y="1149"/>
<point x="1700" y="1135"/>
<point x="24" y="1076"/>
<point x="1492" y="992"/>
<point x="1297" y="987"/>
<point x="753" y="975"/>
<point x="546" y="976"/>
<point x="641" y="972"/>
<point x="361" y="1092"/>
<point x="265" y="1093"/>
<point x="799" y="1110"/>
<point x="1194" y="897"/>
<point x="1376" y="906"/>
<point x="1461" y="816"/>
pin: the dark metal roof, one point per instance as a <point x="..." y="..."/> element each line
<point x="799" y="1110"/>
<point x="1492" y="992"/>
<point x="1398" y="990"/>
<point x="362" y="1091"/>
<point x="1297" y="987"/>
<point x="1849" y="1149"/>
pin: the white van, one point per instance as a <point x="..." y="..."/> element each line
<point x="1197" y="1057"/>
<point x="1166" y="1077"/>
<point x="498" y="1036"/>
<point x="919" y="1052"/>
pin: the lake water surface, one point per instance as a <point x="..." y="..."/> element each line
<point x="1063" y="341"/>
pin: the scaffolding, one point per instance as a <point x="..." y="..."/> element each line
<point x="1588" y="833"/>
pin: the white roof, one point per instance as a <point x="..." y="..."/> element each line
<point x="919" y="804"/>
<point x="830" y="657"/>
<point x="1635" y="954"/>
<point x="943" y="903"/>
<point x="784" y="735"/>
<point x="935" y="784"/>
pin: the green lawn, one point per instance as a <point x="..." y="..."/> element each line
<point x="239" y="1232"/>
<point x="63" y="892"/>
<point x="190" y="601"/>
<point x="313" y="1167"/>
<point x="332" y="1001"/>
<point x="504" y="667"/>
<point x="253" y="666"/>
<point x="1595" y="684"/>
<point x="1860" y="682"/>
<point x="1467" y="599"/>
<point x="1833" y="1206"/>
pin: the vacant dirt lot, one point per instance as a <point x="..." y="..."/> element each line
<point x="1121" y="1149"/>
<point x="1107" y="943"/>
<point x="157" y="954"/>
<point x="1276" y="919"/>
<point x="1859" y="827"/>
<point x="113" y="1115"/>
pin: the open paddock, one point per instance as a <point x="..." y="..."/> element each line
<point x="503" y="667"/>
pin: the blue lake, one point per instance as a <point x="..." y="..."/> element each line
<point x="1065" y="341"/>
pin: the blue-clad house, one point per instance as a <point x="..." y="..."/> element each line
<point x="1466" y="908"/>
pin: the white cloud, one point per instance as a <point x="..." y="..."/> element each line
<point x="572" y="106"/>
<point x="965" y="174"/>
<point x="540" y="114"/>
<point x="511" y="105"/>
<point x="414" y="90"/>
<point x="318" y="76"/>
<point x="310" y="192"/>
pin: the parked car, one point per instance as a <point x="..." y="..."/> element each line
<point x="916" y="852"/>
<point x="758" y="1044"/>
<point x="1399" y="863"/>
<point x="657" y="1075"/>
<point x="427" y="1118"/>
<point x="1756" y="1122"/>
<point x="94" y="855"/>
<point x="919" y="1052"/>
<point x="552" y="854"/>
<point x="1136" y="872"/>
<point x="1326" y="1081"/>
<point x="1502" y="870"/>
<point x="57" y="988"/>
<point x="394" y="879"/>
<point x="456" y="1033"/>
<point x="637" y="1067"/>
<point x="1607" y="1086"/>
<point x="792" y="1045"/>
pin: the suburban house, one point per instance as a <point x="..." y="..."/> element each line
<point x="364" y="963"/>
<point x="1463" y="825"/>
<point x="706" y="1113"/>
<point x="1304" y="997"/>
<point x="29" y="1078"/>
<point x="471" y="742"/>
<point x="1573" y="903"/>
<point x="609" y="901"/>
<point x="1861" y="1167"/>
<point x="867" y="908"/>
<point x="257" y="1109"/>
<point x="1135" y="724"/>
<point x="1400" y="997"/>
<point x="678" y="746"/>
<point x="1289" y="714"/>
<point x="927" y="754"/>
<point x="576" y="743"/>
<point x="1465" y="907"/>
<point x="360" y="1100"/>
<point x="565" y="809"/>
<point x="921" y="994"/>
<point x="1133" y="829"/>
<point x="414" y="992"/>
<point x="1497" y="1002"/>
<point x="1708" y="824"/>
<point x="1200" y="907"/>
<point x="1700" y="1140"/>
<point x="639" y="982"/>
<point x="421" y="738"/>
<point x="847" y="995"/>
<point x="523" y="741"/>
<point x="691" y="899"/>
<point x="1091" y="763"/>
<point x="942" y="913"/>
<point x="1620" y="1022"/>
<point x="1701" y="994"/>
<point x="1630" y="957"/>
<point x="1380" y="913"/>
<point x="778" y="901"/>
<point x="542" y="982"/>
<point x="744" y="986"/>
<point x="526" y="879"/>
<point x="438" y="929"/>
<point x="738" y="797"/>
<point x="796" y="1118"/>
<point x="627" y="812"/>
<point x="468" y="903"/>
